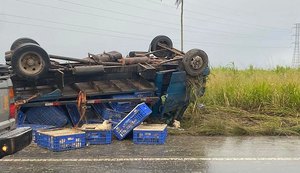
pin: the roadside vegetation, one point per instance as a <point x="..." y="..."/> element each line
<point x="247" y="102"/>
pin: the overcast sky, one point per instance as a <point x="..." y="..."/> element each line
<point x="246" y="32"/>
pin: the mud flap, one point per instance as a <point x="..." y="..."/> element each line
<point x="176" y="99"/>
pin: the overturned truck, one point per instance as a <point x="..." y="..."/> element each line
<point x="57" y="90"/>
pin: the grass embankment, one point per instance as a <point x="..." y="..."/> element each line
<point x="247" y="102"/>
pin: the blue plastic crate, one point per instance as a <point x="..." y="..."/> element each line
<point x="73" y="113"/>
<point x="35" y="128"/>
<point x="46" y="115"/>
<point x="61" y="139"/>
<point x="123" y="106"/>
<point x="96" y="137"/>
<point x="152" y="134"/>
<point x="128" y="106"/>
<point x="133" y="119"/>
<point x="113" y="115"/>
<point x="107" y="113"/>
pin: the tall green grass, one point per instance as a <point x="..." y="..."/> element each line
<point x="275" y="91"/>
<point x="245" y="102"/>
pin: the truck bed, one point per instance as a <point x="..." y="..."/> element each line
<point x="91" y="88"/>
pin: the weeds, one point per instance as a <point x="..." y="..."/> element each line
<point x="247" y="102"/>
<point x="254" y="89"/>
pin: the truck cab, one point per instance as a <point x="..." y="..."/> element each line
<point x="12" y="139"/>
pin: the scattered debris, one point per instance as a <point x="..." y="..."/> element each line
<point x="106" y="125"/>
<point x="201" y="106"/>
<point x="176" y="124"/>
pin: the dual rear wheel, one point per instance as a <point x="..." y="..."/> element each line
<point x="194" y="61"/>
<point x="28" y="59"/>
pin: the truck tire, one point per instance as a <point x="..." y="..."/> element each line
<point x="163" y="40"/>
<point x="132" y="54"/>
<point x="4" y="70"/>
<point x="20" y="41"/>
<point x="195" y="61"/>
<point x="30" y="61"/>
<point x="7" y="58"/>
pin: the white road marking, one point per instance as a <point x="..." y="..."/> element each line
<point x="150" y="159"/>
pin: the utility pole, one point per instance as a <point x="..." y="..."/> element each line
<point x="180" y="2"/>
<point x="296" y="55"/>
<point x="181" y="25"/>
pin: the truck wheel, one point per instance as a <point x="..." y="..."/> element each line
<point x="7" y="58"/>
<point x="131" y="54"/>
<point x="3" y="70"/>
<point x="30" y="61"/>
<point x="195" y="61"/>
<point x="163" y="40"/>
<point x="20" y="41"/>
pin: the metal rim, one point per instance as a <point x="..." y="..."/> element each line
<point x="196" y="62"/>
<point x="31" y="63"/>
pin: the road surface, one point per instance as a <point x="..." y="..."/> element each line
<point x="180" y="154"/>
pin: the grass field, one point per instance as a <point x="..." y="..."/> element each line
<point x="247" y="102"/>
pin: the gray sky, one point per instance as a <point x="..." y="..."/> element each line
<point x="257" y="32"/>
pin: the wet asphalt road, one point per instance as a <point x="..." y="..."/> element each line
<point x="180" y="154"/>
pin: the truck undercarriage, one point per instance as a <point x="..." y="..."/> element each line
<point x="157" y="77"/>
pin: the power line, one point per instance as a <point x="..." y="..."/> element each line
<point x="75" y="25"/>
<point x="232" y="45"/>
<point x="140" y="7"/>
<point x="225" y="19"/>
<point x="171" y="14"/>
<point x="218" y="6"/>
<point x="72" y="30"/>
<point x="141" y="23"/>
<point x="127" y="37"/>
<point x="147" y="18"/>
<point x="93" y="14"/>
<point x="115" y="12"/>
<point x="242" y="22"/>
